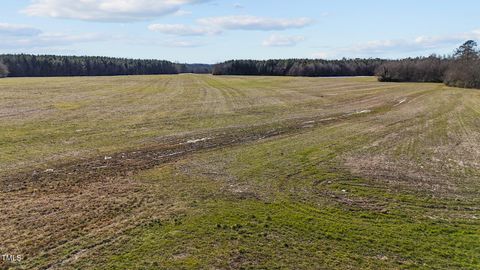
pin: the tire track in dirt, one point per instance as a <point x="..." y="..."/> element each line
<point x="126" y="163"/>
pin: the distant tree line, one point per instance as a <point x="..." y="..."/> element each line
<point x="460" y="70"/>
<point x="421" y="69"/>
<point x="194" y="68"/>
<point x="3" y="70"/>
<point x="26" y="65"/>
<point x="299" y="67"/>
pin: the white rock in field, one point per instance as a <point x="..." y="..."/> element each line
<point x="364" y="111"/>
<point x="49" y="170"/>
<point x="199" y="140"/>
<point x="108" y="158"/>
<point x="401" y="102"/>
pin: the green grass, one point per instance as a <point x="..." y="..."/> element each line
<point x="253" y="234"/>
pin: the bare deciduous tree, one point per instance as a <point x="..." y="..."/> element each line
<point x="3" y="70"/>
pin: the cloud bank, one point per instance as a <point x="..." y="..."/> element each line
<point x="182" y="30"/>
<point x="26" y="37"/>
<point x="384" y="48"/>
<point x="106" y="10"/>
<point x="282" y="41"/>
<point x="246" y="22"/>
<point x="7" y="29"/>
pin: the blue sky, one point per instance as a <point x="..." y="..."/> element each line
<point x="204" y="31"/>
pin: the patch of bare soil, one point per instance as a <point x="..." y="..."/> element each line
<point x="402" y="173"/>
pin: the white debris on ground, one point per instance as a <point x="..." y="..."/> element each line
<point x="359" y="112"/>
<point x="199" y="140"/>
<point x="364" y="111"/>
<point x="308" y="126"/>
<point x="328" y="119"/>
<point x="107" y="158"/>
<point x="401" y="102"/>
<point x="49" y="170"/>
<point x="172" y="154"/>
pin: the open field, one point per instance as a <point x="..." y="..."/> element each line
<point x="197" y="171"/>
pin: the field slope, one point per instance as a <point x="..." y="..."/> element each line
<point x="204" y="172"/>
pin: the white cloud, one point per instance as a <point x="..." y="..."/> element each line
<point x="182" y="44"/>
<point x="386" y="48"/>
<point x="18" y="30"/>
<point x="182" y="30"/>
<point x="106" y="10"/>
<point x="28" y="37"/>
<point x="417" y="44"/>
<point x="51" y="40"/>
<point x="182" y="12"/>
<point x="216" y="25"/>
<point x="282" y="41"/>
<point x="238" y="6"/>
<point x="245" y="22"/>
<point x="38" y="41"/>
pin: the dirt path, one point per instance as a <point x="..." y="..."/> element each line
<point x="127" y="163"/>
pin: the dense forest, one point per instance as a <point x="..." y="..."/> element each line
<point x="421" y="69"/>
<point x="299" y="67"/>
<point x="194" y="68"/>
<point x="3" y="70"/>
<point x="460" y="70"/>
<point x="25" y="65"/>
